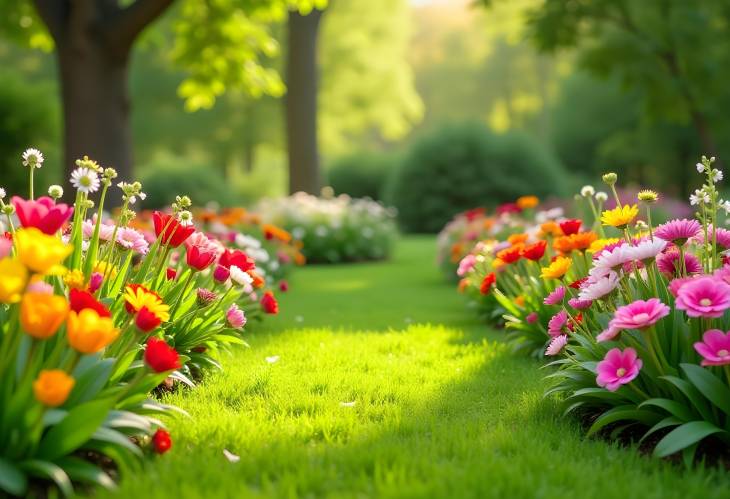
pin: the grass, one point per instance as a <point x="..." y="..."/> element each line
<point x="441" y="407"/>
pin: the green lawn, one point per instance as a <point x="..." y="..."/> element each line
<point x="441" y="408"/>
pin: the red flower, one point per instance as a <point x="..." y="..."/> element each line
<point x="80" y="300"/>
<point x="237" y="258"/>
<point x="534" y="251"/>
<point x="171" y="274"/>
<point x="511" y="254"/>
<point x="201" y="251"/>
<point x="161" y="441"/>
<point x="570" y="226"/>
<point x="269" y="303"/>
<point x="146" y="321"/>
<point x="160" y="356"/>
<point x="473" y="214"/>
<point x="508" y="208"/>
<point x="284" y="286"/>
<point x="43" y="214"/>
<point x="489" y="281"/>
<point x="170" y="230"/>
<point x="221" y="273"/>
<point x="577" y="284"/>
<point x="133" y="290"/>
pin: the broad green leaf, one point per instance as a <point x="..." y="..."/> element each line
<point x="84" y="471"/>
<point x="709" y="385"/>
<point x="50" y="471"/>
<point x="684" y="436"/>
<point x="76" y="428"/>
<point x="12" y="480"/>
<point x="623" y="413"/>
<point x="676" y="409"/>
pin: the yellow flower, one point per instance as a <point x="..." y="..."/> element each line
<point x="88" y="332"/>
<point x="647" y="196"/>
<point x="13" y="279"/>
<point x="52" y="387"/>
<point x="42" y="314"/>
<point x="619" y="216"/>
<point x="526" y="202"/>
<point x="105" y="269"/>
<point x="40" y="252"/>
<point x="557" y="269"/>
<point x="138" y="297"/>
<point x="74" y="279"/>
<point x="599" y="244"/>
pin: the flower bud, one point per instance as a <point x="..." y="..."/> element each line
<point x="610" y="178"/>
<point x="55" y="191"/>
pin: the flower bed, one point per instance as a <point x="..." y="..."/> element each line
<point x="95" y="314"/>
<point x="334" y="229"/>
<point x="634" y="315"/>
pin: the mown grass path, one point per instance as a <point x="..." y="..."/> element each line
<point x="386" y="387"/>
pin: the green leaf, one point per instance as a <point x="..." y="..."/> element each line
<point x="12" y="480"/>
<point x="676" y="409"/>
<point x="50" y="471"/>
<point x="709" y="385"/>
<point x="114" y="437"/>
<point x="684" y="436"/>
<point x="75" y="429"/>
<point x="126" y="419"/>
<point x="90" y="383"/>
<point x="664" y="423"/>
<point x="693" y="395"/>
<point x="623" y="413"/>
<point x="84" y="471"/>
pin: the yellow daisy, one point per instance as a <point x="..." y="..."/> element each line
<point x="620" y="216"/>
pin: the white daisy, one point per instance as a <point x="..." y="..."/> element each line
<point x="32" y="158"/>
<point x="601" y="197"/>
<point x="647" y="249"/>
<point x="599" y="288"/>
<point x="240" y="277"/>
<point x="587" y="191"/>
<point x="85" y="180"/>
<point x="611" y="259"/>
<point x="2" y="193"/>
<point x="185" y="218"/>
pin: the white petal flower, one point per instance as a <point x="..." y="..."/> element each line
<point x="185" y="218"/>
<point x="610" y="259"/>
<point x="587" y="191"/>
<point x="716" y="175"/>
<point x="55" y="191"/>
<point x="601" y="197"/>
<point x="2" y="193"/>
<point x="240" y="277"/>
<point x="647" y="249"/>
<point x="599" y="288"/>
<point x="85" y="180"/>
<point x="32" y="158"/>
<point x="700" y="167"/>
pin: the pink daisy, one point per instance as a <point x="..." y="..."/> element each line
<point x="668" y="263"/>
<point x="639" y="314"/>
<point x="556" y="345"/>
<point x="555" y="297"/>
<point x="714" y="347"/>
<point x="579" y="304"/>
<point x="704" y="297"/>
<point x="466" y="264"/>
<point x="532" y="318"/>
<point x="678" y="231"/>
<point x="722" y="237"/>
<point x="557" y="323"/>
<point x="618" y="368"/>
<point x="129" y="238"/>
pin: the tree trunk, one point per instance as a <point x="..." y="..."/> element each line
<point x="301" y="103"/>
<point x="96" y="109"/>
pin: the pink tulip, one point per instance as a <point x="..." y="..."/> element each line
<point x="43" y="213"/>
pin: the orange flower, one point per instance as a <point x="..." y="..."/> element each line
<point x="88" y="332"/>
<point x="52" y="387"/>
<point x="551" y="229"/>
<point x="520" y="301"/>
<point x="299" y="258"/>
<point x="564" y="244"/>
<point x="258" y="281"/>
<point x="456" y="250"/>
<point x="42" y="314"/>
<point x="274" y="232"/>
<point x="488" y="223"/>
<point x="526" y="202"/>
<point x="463" y="284"/>
<point x="497" y="263"/>
<point x="517" y="238"/>
<point x="583" y="240"/>
<point x="511" y="254"/>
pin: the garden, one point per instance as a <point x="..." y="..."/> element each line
<point x="405" y="248"/>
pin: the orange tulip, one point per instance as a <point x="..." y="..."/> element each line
<point x="42" y="314"/>
<point x="52" y="387"/>
<point x="88" y="332"/>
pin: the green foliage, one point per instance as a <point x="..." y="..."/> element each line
<point x="460" y="167"/>
<point x="362" y="174"/>
<point x="28" y="117"/>
<point x="164" y="180"/>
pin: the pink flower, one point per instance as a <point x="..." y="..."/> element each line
<point x="618" y="368"/>
<point x="579" y="304"/>
<point x="129" y="238"/>
<point x="106" y="230"/>
<point x="557" y="323"/>
<point x="39" y="287"/>
<point x="221" y="273"/>
<point x="95" y="282"/>
<point x="722" y="237"/>
<point x="714" y="347"/>
<point x="608" y="334"/>
<point x="598" y="288"/>
<point x="532" y="318"/>
<point x="201" y="251"/>
<point x="669" y="263"/>
<point x="639" y="314"/>
<point x="235" y="317"/>
<point x="555" y="297"/>
<point x="466" y="264"/>
<point x="677" y="283"/>
<point x="43" y="213"/>
<point x="6" y="246"/>
<point x="723" y="274"/>
<point x="704" y="297"/>
<point x="678" y="231"/>
<point x="556" y="345"/>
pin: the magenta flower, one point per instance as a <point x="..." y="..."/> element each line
<point x="618" y="368"/>
<point x="639" y="314"/>
<point x="555" y="297"/>
<point x="43" y="214"/>
<point x="608" y="334"/>
<point x="704" y="297"/>
<point x="677" y="283"/>
<point x="235" y="317"/>
<point x="714" y="347"/>
<point x="678" y="231"/>
<point x="556" y="345"/>
<point x="669" y="263"/>
<point x="95" y="282"/>
<point x="531" y="318"/>
<point x="579" y="304"/>
<point x="722" y="236"/>
<point x="557" y="323"/>
<point x="466" y="264"/>
<point x="129" y="238"/>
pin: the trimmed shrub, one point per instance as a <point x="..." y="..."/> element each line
<point x="460" y="167"/>
<point x="361" y="175"/>
<point x="164" y="180"/>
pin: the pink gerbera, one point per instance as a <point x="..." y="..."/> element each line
<point x="669" y="263"/>
<point x="639" y="314"/>
<point x="608" y="334"/>
<point x="466" y="264"/>
<point x="714" y="347"/>
<point x="722" y="236"/>
<point x="618" y="368"/>
<point x="579" y="304"/>
<point x="556" y="345"/>
<point x="129" y="238"/>
<point x="557" y="323"/>
<point x="678" y="231"/>
<point x="555" y="297"/>
<point x="106" y="230"/>
<point x="704" y="297"/>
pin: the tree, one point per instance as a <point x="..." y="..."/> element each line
<point x="222" y="44"/>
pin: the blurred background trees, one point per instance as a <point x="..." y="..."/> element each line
<point x="585" y="85"/>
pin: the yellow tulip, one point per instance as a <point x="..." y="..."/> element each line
<point x="52" y="387"/>
<point x="13" y="279"/>
<point x="88" y="332"/>
<point x="40" y="252"/>
<point x="42" y="314"/>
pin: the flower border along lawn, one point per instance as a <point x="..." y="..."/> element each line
<point x="367" y="398"/>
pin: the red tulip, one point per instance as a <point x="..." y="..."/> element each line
<point x="237" y="258"/>
<point x="43" y="213"/>
<point x="269" y="303"/>
<point x="170" y="230"/>
<point x="146" y="321"/>
<point x="80" y="300"/>
<point x="570" y="226"/>
<point x="160" y="356"/>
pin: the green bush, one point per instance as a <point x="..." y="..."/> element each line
<point x="361" y="175"/>
<point x="463" y="166"/>
<point x="28" y="118"/>
<point x="162" y="181"/>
